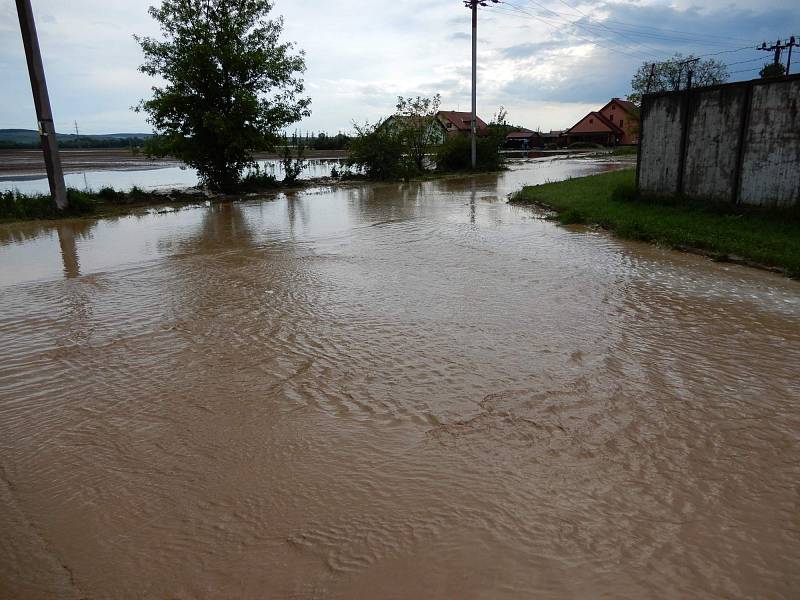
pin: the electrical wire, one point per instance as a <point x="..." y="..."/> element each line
<point x="633" y="27"/>
<point x="658" y="53"/>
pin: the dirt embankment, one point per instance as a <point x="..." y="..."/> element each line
<point x="31" y="162"/>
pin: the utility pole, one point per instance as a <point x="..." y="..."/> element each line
<point x="473" y="5"/>
<point x="778" y="49"/>
<point x="41" y="99"/>
<point x="650" y="79"/>
<point x="792" y="44"/>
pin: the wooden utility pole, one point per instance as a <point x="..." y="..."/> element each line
<point x="41" y="99"/>
<point x="473" y="5"/>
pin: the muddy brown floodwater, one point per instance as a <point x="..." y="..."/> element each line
<point x="391" y="391"/>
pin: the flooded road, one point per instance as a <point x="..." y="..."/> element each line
<point x="391" y="391"/>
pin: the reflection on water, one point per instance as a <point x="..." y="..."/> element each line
<point x="165" y="178"/>
<point x="391" y="391"/>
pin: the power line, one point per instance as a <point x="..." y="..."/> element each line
<point x="638" y="27"/>
<point x="599" y="24"/>
<point x="514" y="9"/>
<point x="517" y="10"/>
<point x="688" y="38"/>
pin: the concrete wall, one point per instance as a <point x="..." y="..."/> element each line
<point x="735" y="143"/>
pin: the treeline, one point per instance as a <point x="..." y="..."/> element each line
<point x="79" y="143"/>
<point x="318" y="141"/>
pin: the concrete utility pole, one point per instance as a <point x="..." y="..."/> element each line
<point x="792" y="44"/>
<point x="473" y="5"/>
<point x="41" y="100"/>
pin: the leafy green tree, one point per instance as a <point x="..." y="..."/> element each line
<point x="230" y="85"/>
<point x="671" y="75"/>
<point x="377" y="152"/>
<point x="772" y="69"/>
<point x="413" y="121"/>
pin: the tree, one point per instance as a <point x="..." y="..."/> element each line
<point x="772" y="70"/>
<point x="671" y="75"/>
<point x="413" y="121"/>
<point x="230" y="85"/>
<point x="377" y="151"/>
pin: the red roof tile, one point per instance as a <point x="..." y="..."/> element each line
<point x="460" y="120"/>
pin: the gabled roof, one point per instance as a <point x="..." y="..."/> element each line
<point x="606" y="123"/>
<point x="522" y="134"/>
<point x="628" y="107"/>
<point x="462" y="121"/>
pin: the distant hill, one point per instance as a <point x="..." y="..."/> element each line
<point x="20" y="138"/>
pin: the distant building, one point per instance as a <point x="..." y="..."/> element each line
<point x="616" y="124"/>
<point x="554" y="137"/>
<point x="524" y="139"/>
<point x="460" y="123"/>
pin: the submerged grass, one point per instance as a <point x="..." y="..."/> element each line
<point x="760" y="236"/>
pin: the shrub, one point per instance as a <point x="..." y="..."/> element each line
<point x="109" y="194"/>
<point x="378" y="153"/>
<point x="456" y="154"/>
<point x="256" y="179"/>
<point x="292" y="167"/>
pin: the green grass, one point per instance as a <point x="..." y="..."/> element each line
<point x="21" y="207"/>
<point x="767" y="237"/>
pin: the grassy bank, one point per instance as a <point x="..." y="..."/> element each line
<point x="29" y="207"/>
<point x="757" y="236"/>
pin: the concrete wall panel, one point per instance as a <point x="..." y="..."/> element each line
<point x="713" y="143"/>
<point x="764" y="171"/>
<point x="771" y="166"/>
<point x="661" y="145"/>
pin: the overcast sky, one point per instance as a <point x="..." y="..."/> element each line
<point x="547" y="61"/>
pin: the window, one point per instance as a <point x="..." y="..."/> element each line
<point x="591" y="121"/>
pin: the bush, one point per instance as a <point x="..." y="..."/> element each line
<point x="257" y="179"/>
<point x="109" y="194"/>
<point x="378" y="153"/>
<point x="456" y="154"/>
<point x="292" y="167"/>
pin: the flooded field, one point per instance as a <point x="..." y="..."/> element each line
<point x="391" y="391"/>
<point x="98" y="172"/>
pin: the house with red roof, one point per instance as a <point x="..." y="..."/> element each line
<point x="460" y="123"/>
<point x="616" y="124"/>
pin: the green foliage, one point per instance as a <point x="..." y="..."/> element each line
<point x="230" y="86"/>
<point x="16" y="206"/>
<point x="256" y="179"/>
<point x="672" y="74"/>
<point x="766" y="236"/>
<point x="413" y="122"/>
<point x="293" y="163"/>
<point x="377" y="152"/>
<point x="772" y="69"/>
<point x="456" y="153"/>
